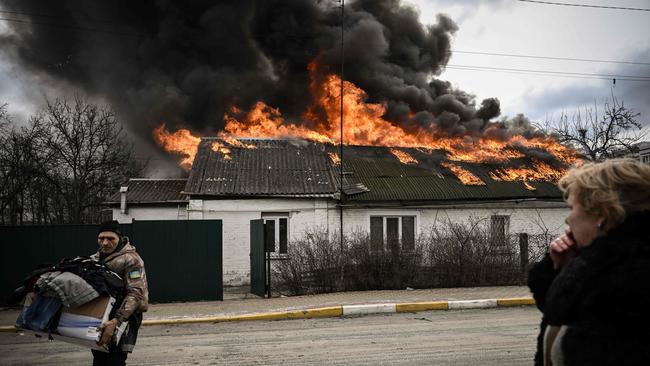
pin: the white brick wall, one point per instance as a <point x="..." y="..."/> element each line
<point x="146" y="213"/>
<point x="236" y="215"/>
<point x="523" y="217"/>
<point x="307" y="214"/>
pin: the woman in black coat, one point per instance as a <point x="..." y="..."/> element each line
<point x="593" y="286"/>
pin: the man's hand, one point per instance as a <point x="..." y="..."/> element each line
<point x="562" y="250"/>
<point x="107" y="329"/>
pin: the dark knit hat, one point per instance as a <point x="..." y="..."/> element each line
<point x="112" y="225"/>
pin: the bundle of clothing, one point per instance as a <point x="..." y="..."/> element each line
<point x="70" y="283"/>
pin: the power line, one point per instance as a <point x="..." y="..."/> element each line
<point x="583" y="5"/>
<point x="555" y="72"/>
<point x="549" y="74"/>
<point x="549" y="57"/>
<point x="451" y="52"/>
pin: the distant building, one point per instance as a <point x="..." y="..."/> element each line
<point x="643" y="153"/>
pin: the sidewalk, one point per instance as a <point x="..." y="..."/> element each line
<point x="239" y="305"/>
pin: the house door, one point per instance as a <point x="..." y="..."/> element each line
<point x="258" y="272"/>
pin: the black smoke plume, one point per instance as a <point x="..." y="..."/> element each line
<point x="186" y="62"/>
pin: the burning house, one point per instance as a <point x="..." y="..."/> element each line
<point x="393" y="181"/>
<point x="388" y="192"/>
<point x="399" y="173"/>
<point x="249" y="95"/>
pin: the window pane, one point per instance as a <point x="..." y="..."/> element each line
<point x="269" y="235"/>
<point x="377" y="233"/>
<point x="392" y="233"/>
<point x="283" y="235"/>
<point x="408" y="232"/>
<point x="499" y="229"/>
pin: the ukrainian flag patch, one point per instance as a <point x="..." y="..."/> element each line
<point x="133" y="275"/>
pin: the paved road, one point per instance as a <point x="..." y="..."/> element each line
<point x="504" y="336"/>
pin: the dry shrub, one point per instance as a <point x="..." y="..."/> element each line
<point x="448" y="255"/>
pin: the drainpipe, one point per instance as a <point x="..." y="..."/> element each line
<point x="123" y="200"/>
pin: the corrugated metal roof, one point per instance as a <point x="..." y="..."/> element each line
<point x="152" y="190"/>
<point x="427" y="180"/>
<point x="271" y="167"/>
<point x="265" y="167"/>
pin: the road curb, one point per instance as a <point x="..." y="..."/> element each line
<point x="369" y="309"/>
<point x="342" y="310"/>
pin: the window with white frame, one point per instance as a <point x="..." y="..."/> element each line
<point x="392" y="233"/>
<point x="499" y="228"/>
<point x="277" y="230"/>
<point x="645" y="159"/>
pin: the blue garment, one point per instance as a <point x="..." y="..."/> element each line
<point x="41" y="315"/>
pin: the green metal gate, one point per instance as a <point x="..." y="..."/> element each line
<point x="183" y="259"/>
<point x="258" y="272"/>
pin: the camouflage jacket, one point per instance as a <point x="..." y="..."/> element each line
<point x="127" y="263"/>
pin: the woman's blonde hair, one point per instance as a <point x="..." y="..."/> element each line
<point x="616" y="188"/>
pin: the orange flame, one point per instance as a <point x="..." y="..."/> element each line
<point x="465" y="176"/>
<point x="183" y="142"/>
<point x="539" y="172"/>
<point x="403" y="157"/>
<point x="236" y="143"/>
<point x="364" y="125"/>
<point x="180" y="142"/>
<point x="336" y="160"/>
<point x="264" y="121"/>
<point x="220" y="148"/>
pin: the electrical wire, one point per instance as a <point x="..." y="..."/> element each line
<point x="451" y="52"/>
<point x="549" y="57"/>
<point x="584" y="5"/>
<point x="550" y="73"/>
<point x="451" y="66"/>
<point x="554" y="72"/>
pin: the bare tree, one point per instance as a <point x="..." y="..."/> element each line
<point x="63" y="164"/>
<point x="601" y="136"/>
<point x="90" y="156"/>
<point x="20" y="155"/>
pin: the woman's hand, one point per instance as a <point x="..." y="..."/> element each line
<point x="562" y="249"/>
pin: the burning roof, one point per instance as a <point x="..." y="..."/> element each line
<point x="291" y="167"/>
<point x="514" y="157"/>
<point x="269" y="68"/>
<point x="260" y="167"/>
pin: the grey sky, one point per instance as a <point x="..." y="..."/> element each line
<point x="500" y="26"/>
<point x="513" y="27"/>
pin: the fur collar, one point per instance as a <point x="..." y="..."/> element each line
<point x="623" y="243"/>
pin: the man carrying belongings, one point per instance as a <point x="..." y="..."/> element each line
<point x="94" y="301"/>
<point x="120" y="256"/>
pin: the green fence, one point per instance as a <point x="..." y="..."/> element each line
<point x="183" y="258"/>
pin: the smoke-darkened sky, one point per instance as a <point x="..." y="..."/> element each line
<point x="185" y="63"/>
